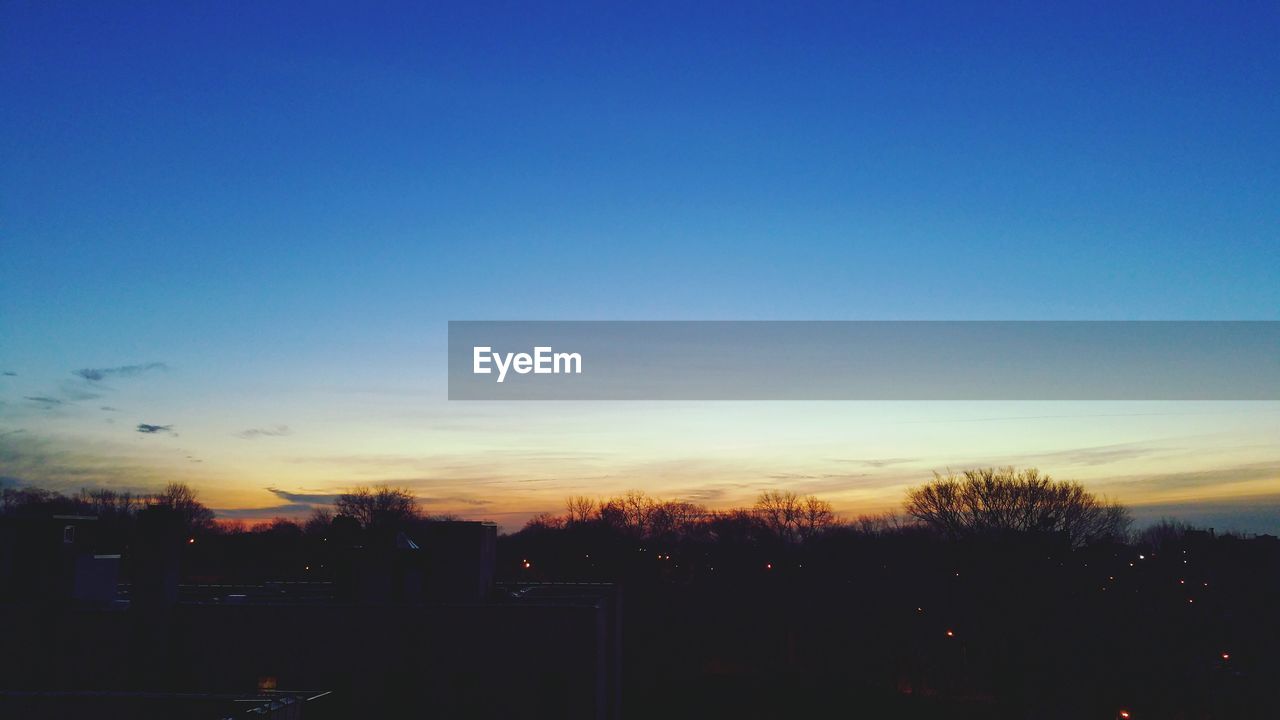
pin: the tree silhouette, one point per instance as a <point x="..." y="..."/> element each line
<point x="779" y="511"/>
<point x="184" y="502"/>
<point x="990" y="501"/>
<point x="379" y="508"/>
<point x="816" y="515"/>
<point x="579" y="508"/>
<point x="790" y="517"/>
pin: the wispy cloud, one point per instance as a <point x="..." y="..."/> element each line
<point x="304" y="497"/>
<point x="89" y="386"/>
<point x="154" y="429"/>
<point x="1259" y="513"/>
<point x="877" y="462"/>
<point x="254" y="433"/>
<point x="44" y="400"/>
<point x="1101" y="455"/>
<point x="75" y="392"/>
<point x="120" y="371"/>
<point x="459" y="499"/>
<point x="291" y="510"/>
<point x="1220" y="483"/>
<point x="69" y="466"/>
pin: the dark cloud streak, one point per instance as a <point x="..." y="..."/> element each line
<point x="254" y="433"/>
<point x="44" y="400"/>
<point x="302" y="497"/>
<point x="121" y="371"/>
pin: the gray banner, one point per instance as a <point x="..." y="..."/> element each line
<point x="863" y="360"/>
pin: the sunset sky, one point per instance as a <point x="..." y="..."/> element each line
<point x="231" y="239"/>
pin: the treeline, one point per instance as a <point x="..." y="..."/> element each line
<point x="986" y="502"/>
<point x="218" y="550"/>
<point x="117" y="512"/>
<point x="371" y="508"/>
<point x="778" y="514"/>
<point x="979" y="503"/>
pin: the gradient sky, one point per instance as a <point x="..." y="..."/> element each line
<point x="261" y="215"/>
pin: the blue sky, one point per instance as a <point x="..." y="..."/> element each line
<point x="284" y="204"/>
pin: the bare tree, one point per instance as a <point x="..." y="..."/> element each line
<point x="612" y="513"/>
<point x="382" y="507"/>
<point x="580" y="508"/>
<point x="318" y="524"/>
<point x="14" y="500"/>
<point x="882" y="524"/>
<point x="675" y="517"/>
<point x="779" y="511"/>
<point x="545" y="521"/>
<point x="637" y="509"/>
<point x="183" y="500"/>
<point x="105" y="502"/>
<point x="736" y="526"/>
<point x="1002" y="500"/>
<point x="1164" y="533"/>
<point x="815" y="516"/>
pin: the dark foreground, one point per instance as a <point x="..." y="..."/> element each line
<point x="585" y="621"/>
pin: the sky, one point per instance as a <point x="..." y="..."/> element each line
<point x="232" y="234"/>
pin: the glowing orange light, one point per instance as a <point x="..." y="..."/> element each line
<point x="1226" y="656"/>
<point x="527" y="564"/>
<point x="951" y="633"/>
<point x="191" y="541"/>
<point x="768" y="566"/>
<point x="1124" y="713"/>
